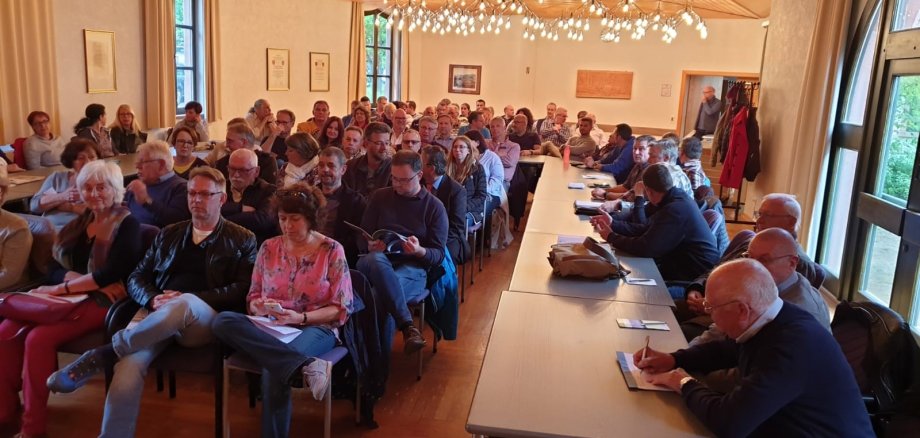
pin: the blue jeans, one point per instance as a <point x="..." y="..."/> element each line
<point x="279" y="361"/>
<point x="185" y="320"/>
<point x="394" y="284"/>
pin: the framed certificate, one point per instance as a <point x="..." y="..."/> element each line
<point x="278" y="63"/>
<point x="99" y="47"/>
<point x="319" y="71"/>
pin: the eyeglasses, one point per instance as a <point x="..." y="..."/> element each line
<point x="397" y="180"/>
<point x="239" y="169"/>
<point x="765" y="258"/>
<point x="185" y="142"/>
<point x="291" y="194"/>
<point x="758" y="215"/>
<point x="708" y="308"/>
<point x="412" y="141"/>
<point x="192" y="194"/>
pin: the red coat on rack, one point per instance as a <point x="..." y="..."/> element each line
<point x="733" y="169"/>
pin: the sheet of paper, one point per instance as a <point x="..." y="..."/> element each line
<point x="641" y="281"/>
<point x="24" y="179"/>
<point x="635" y="378"/>
<point x="280" y="332"/>
<point x="576" y="185"/>
<point x="588" y="204"/>
<point x="590" y="176"/>
<point x="646" y="324"/>
<point x="570" y="239"/>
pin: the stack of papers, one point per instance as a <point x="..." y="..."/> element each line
<point x="633" y="375"/>
<point x="577" y="185"/>
<point x="280" y="332"/>
<point x="647" y="324"/>
<point x="592" y="205"/>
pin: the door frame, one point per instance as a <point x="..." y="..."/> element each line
<point x="685" y="82"/>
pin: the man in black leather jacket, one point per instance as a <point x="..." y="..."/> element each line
<point x="193" y="270"/>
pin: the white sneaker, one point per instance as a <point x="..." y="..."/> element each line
<point x="316" y="377"/>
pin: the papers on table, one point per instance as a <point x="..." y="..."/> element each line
<point x="24" y="179"/>
<point x="646" y="324"/>
<point x="570" y="239"/>
<point x="634" y="376"/>
<point x="591" y="205"/>
<point x="641" y="281"/>
<point x="280" y="332"/>
<point x="577" y="185"/>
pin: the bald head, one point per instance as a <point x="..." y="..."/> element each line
<point x="738" y="292"/>
<point x="779" y="210"/>
<point x="777" y="250"/>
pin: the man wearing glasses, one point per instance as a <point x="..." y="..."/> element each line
<point x="193" y="270"/>
<point x="240" y="136"/>
<point x="371" y="171"/>
<point x="794" y="378"/>
<point x="279" y="131"/>
<point x="157" y="197"/>
<point x="249" y="200"/>
<point x="400" y="274"/>
<point x="43" y="149"/>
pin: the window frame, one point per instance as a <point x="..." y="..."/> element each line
<point x="195" y="69"/>
<point x="376" y="48"/>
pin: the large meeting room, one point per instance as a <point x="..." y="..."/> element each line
<point x="459" y="218"/>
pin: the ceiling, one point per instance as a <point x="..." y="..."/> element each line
<point x="754" y="9"/>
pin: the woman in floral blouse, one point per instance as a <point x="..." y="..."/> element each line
<point x="300" y="279"/>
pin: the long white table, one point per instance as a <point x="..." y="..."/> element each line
<point x="22" y="192"/>
<point x="550" y="366"/>
<point x="550" y="370"/>
<point x="532" y="273"/>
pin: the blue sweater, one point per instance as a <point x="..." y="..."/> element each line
<point x="422" y="216"/>
<point x="795" y="381"/>
<point x="170" y="202"/>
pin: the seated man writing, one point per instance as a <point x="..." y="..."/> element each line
<point x="419" y="216"/>
<point x="193" y="270"/>
<point x="795" y="381"/>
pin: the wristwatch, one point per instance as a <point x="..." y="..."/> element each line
<point x="685" y="380"/>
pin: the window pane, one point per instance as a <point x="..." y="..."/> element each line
<point x="907" y="15"/>
<point x="369" y="89"/>
<point x="369" y="30"/>
<point x="878" y="272"/>
<point x="915" y="308"/>
<point x="383" y="36"/>
<point x="369" y="61"/>
<point x="383" y="62"/>
<point x="858" y="94"/>
<point x="185" y="87"/>
<point x="185" y="52"/>
<point x="383" y="87"/>
<point x="184" y="12"/>
<point x="900" y="141"/>
<point x="839" y="209"/>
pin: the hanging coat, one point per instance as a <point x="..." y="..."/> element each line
<point x="733" y="169"/>
<point x="752" y="166"/>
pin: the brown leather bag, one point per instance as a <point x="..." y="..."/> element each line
<point x="587" y="260"/>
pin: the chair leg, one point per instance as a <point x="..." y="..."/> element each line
<point x="463" y="281"/>
<point x="172" y="384"/>
<point x="225" y="401"/>
<point x="327" y="420"/>
<point x="472" y="271"/>
<point x="482" y="247"/>
<point x="358" y="401"/>
<point x="159" y="380"/>
<point x="435" y="336"/>
<point x="219" y="402"/>
<point x="421" y="328"/>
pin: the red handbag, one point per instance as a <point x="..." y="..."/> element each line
<point x="35" y="308"/>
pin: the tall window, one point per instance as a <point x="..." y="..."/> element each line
<point x="378" y="43"/>
<point x="189" y="54"/>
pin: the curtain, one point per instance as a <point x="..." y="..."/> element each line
<point x="357" y="75"/>
<point x="28" y="71"/>
<point x="160" y="45"/>
<point x="212" y="62"/>
<point x="817" y="112"/>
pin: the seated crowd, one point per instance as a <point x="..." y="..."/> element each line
<point x="264" y="226"/>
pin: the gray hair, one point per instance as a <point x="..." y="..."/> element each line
<point x="157" y="150"/>
<point x="258" y="104"/>
<point x="668" y="148"/>
<point x="248" y="154"/>
<point x="242" y="129"/>
<point x="790" y="205"/>
<point x="106" y="171"/>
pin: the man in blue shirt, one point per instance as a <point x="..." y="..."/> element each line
<point x="619" y="159"/>
<point x="795" y="380"/>
<point x="477" y="123"/>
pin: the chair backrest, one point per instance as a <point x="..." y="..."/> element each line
<point x="148" y="233"/>
<point x="880" y="349"/>
<point x="19" y="155"/>
<point x="42" y="243"/>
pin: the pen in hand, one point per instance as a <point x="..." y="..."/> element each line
<point x="647" y="339"/>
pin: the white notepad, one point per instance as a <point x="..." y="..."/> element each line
<point x="633" y="375"/>
<point x="577" y="185"/>
<point x="280" y="332"/>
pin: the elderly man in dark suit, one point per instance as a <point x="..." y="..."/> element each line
<point x="452" y="195"/>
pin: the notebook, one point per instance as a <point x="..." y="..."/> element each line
<point x="282" y="333"/>
<point x="633" y="375"/>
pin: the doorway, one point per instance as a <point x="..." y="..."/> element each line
<point x="691" y="89"/>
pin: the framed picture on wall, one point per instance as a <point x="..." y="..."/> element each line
<point x="99" y="48"/>
<point x="319" y="71"/>
<point x="278" y="63"/>
<point x="464" y="79"/>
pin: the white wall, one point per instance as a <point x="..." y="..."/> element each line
<point x="125" y="18"/>
<point x="732" y="46"/>
<point x="249" y="28"/>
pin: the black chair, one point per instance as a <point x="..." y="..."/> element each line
<point x="880" y="348"/>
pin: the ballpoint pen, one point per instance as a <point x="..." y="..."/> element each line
<point x="647" y="338"/>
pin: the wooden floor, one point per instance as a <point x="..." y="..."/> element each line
<point x="437" y="405"/>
